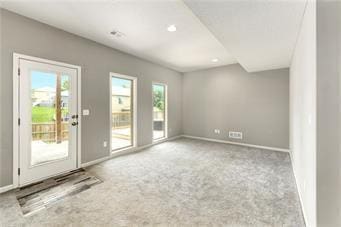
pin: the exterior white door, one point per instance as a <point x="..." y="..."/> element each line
<point x="48" y="120"/>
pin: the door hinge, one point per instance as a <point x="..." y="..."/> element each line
<point x="18" y="71"/>
<point x="18" y="121"/>
<point x="19" y="171"/>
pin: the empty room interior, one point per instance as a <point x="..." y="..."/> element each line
<point x="170" y="113"/>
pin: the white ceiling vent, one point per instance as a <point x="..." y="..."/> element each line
<point x="117" y="34"/>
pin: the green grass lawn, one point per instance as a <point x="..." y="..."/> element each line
<point x="42" y="114"/>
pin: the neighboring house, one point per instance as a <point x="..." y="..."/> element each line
<point x="121" y="103"/>
<point x="120" y="99"/>
<point x="45" y="96"/>
<point x="42" y="96"/>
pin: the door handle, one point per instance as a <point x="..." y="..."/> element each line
<point x="74" y="123"/>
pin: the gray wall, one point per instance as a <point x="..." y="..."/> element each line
<point x="25" y="36"/>
<point x="1" y="153"/>
<point x="328" y="113"/>
<point x="303" y="113"/>
<point x="229" y="98"/>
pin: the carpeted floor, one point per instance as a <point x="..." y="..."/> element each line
<point x="184" y="182"/>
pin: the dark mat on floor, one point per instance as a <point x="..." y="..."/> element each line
<point x="44" y="194"/>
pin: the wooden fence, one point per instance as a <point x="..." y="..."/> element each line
<point x="47" y="132"/>
<point x="121" y="120"/>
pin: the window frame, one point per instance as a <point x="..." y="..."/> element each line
<point x="166" y="112"/>
<point x="134" y="111"/>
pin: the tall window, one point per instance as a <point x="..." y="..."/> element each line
<point x="159" y="111"/>
<point x="122" y="111"/>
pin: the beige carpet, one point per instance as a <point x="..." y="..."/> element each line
<point x="179" y="183"/>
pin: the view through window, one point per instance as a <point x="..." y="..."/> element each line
<point x="122" y="113"/>
<point x="159" y="111"/>
<point x="50" y="116"/>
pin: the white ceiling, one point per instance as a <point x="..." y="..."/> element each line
<point x="144" y="25"/>
<point x="259" y="34"/>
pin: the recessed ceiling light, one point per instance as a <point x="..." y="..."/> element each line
<point x="215" y="60"/>
<point x="171" y="28"/>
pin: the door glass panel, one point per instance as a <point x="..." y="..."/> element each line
<point x="50" y="117"/>
<point x="159" y="107"/>
<point x="122" y="112"/>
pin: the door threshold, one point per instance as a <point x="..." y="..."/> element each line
<point x="66" y="173"/>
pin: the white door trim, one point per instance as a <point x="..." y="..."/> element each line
<point x="16" y="58"/>
<point x="134" y="80"/>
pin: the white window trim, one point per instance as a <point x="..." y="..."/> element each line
<point x="134" y="80"/>
<point x="166" y="112"/>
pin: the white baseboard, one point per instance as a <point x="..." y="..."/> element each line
<point x="83" y="165"/>
<point x="6" y="188"/>
<point x="299" y="190"/>
<point x="136" y="149"/>
<point x="235" y="143"/>
<point x="127" y="151"/>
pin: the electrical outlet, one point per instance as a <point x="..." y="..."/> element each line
<point x="105" y="144"/>
<point x="236" y="135"/>
<point x="217" y="131"/>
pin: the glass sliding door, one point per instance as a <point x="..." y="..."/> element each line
<point x="122" y="112"/>
<point x="159" y="111"/>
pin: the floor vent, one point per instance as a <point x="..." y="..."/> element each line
<point x="41" y="195"/>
